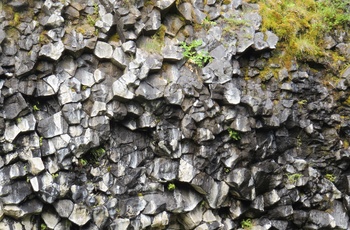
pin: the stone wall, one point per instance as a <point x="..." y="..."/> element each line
<point x="104" y="124"/>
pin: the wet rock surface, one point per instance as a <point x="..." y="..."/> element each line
<point x="105" y="123"/>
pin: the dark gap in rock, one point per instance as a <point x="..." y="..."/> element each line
<point x="48" y="104"/>
<point x="316" y="65"/>
<point x="224" y="212"/>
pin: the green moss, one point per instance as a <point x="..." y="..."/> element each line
<point x="156" y="42"/>
<point x="149" y="3"/>
<point x="16" y="19"/>
<point x="43" y="38"/>
<point x="207" y="23"/>
<point x="301" y="25"/>
<point x="114" y="38"/>
<point x="92" y="157"/>
<point x="347" y="102"/>
<point x="330" y="177"/>
<point x="152" y="45"/>
<point x="292" y="178"/>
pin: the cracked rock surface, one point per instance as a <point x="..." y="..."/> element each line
<point x="105" y="124"/>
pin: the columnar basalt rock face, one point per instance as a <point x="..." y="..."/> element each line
<point x="104" y="124"/>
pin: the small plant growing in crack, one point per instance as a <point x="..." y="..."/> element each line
<point x="247" y="224"/>
<point x="234" y="134"/>
<point x="171" y="186"/>
<point x="199" y="58"/>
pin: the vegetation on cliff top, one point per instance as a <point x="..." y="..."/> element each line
<point x="302" y="25"/>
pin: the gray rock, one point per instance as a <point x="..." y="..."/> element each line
<point x="120" y="223"/>
<point x="98" y="108"/>
<point x="25" y="61"/>
<point x="68" y="64"/>
<point x="156" y="203"/>
<point x="253" y="17"/>
<point x="120" y="87"/>
<point x="63" y="224"/>
<point x="52" y="126"/>
<point x="173" y="94"/>
<point x="52" y="51"/>
<point x="48" y="86"/>
<point x="85" y="77"/>
<point x="217" y="71"/>
<point x="147" y="120"/>
<point x="204" y="134"/>
<point x="106" y="22"/>
<point x="119" y="58"/>
<point x="151" y="88"/>
<point x="215" y="192"/>
<point x="17" y="170"/>
<point x="15" y="193"/>
<point x="36" y="165"/>
<point x="64" y="208"/>
<point x="241" y="124"/>
<point x="245" y="38"/>
<point x="103" y="50"/>
<point x="186" y="171"/>
<point x="2" y="35"/>
<point x="30" y="207"/>
<point x="154" y="21"/>
<point x="218" y="194"/>
<point x="259" y="43"/>
<point x="165" y="5"/>
<point x="191" y="219"/>
<point x="100" y="216"/>
<point x="80" y="215"/>
<point x="344" y="49"/>
<point x="329" y="42"/>
<point x="161" y="220"/>
<point x="219" y="52"/>
<point x="54" y="20"/>
<point x="270" y="198"/>
<point x="164" y="169"/>
<point x="116" y="110"/>
<point x="232" y="95"/>
<point x="279" y="224"/>
<point x="185" y="9"/>
<point x="18" y="4"/>
<point x="99" y="76"/>
<point x="70" y="91"/>
<point x="173" y="24"/>
<point x="340" y="215"/>
<point x="152" y="63"/>
<point x="281" y="212"/>
<point x="145" y="221"/>
<point x="271" y="39"/>
<point x="319" y="219"/>
<point x="50" y="218"/>
<point x="242" y="183"/>
<point x="132" y="207"/>
<point x="101" y="125"/>
<point x="48" y="190"/>
<point x="129" y="47"/>
<point x="15" y="106"/>
<point x="73" y="113"/>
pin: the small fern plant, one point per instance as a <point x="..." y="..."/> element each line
<point x="199" y="58"/>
